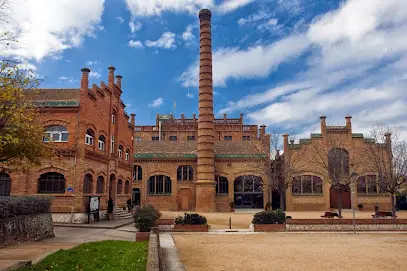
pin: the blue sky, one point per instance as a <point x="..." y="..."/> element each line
<point x="281" y="63"/>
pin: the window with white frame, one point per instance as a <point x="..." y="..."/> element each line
<point x="89" y="137"/>
<point x="112" y="144"/>
<point x="120" y="151"/>
<point x="127" y="155"/>
<point x="114" y="117"/>
<point x="101" y="143"/>
<point x="56" y="133"/>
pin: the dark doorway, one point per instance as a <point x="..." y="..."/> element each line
<point x="136" y="196"/>
<point x="340" y="192"/>
<point x="112" y="187"/>
<point x="248" y="192"/>
<point x="275" y="200"/>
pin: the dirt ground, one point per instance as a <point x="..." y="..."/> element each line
<point x="292" y="251"/>
<point x="243" y="220"/>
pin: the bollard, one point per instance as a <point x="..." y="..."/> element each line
<point x="230" y="222"/>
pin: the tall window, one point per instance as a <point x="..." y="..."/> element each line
<point x="155" y="138"/>
<point x="56" y="133"/>
<point x="100" y="185"/>
<point x="369" y="185"/>
<point x="246" y="138"/>
<point x="127" y="154"/>
<point x="159" y="185"/>
<point x="227" y="138"/>
<point x="51" y="182"/>
<point x="5" y="184"/>
<point x="307" y="184"/>
<point x="222" y="185"/>
<point x="120" y="151"/>
<point x="101" y="143"/>
<point x="88" y="184"/>
<point x="112" y="144"/>
<point x="137" y="173"/>
<point x="173" y="138"/>
<point x="127" y="187"/>
<point x="119" y="186"/>
<point x="89" y="137"/>
<point x="191" y="138"/>
<point x="185" y="173"/>
<point x="114" y="117"/>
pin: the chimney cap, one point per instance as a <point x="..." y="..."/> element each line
<point x="387" y="134"/>
<point x="85" y="70"/>
<point x="205" y="14"/>
<point x="285" y="135"/>
<point x="262" y="126"/>
<point x="348" y="117"/>
<point x="111" y="68"/>
<point x="322" y="117"/>
<point x="132" y="115"/>
<point x="119" y="76"/>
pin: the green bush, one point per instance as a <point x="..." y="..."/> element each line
<point x="145" y="217"/>
<point x="24" y="205"/>
<point x="269" y="217"/>
<point x="190" y="219"/>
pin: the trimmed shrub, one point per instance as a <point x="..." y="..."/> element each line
<point x="269" y="217"/>
<point x="190" y="219"/>
<point x="145" y="217"/>
<point x="24" y="205"/>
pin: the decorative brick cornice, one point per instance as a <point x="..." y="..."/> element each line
<point x="65" y="152"/>
<point x="125" y="165"/>
<point x="96" y="156"/>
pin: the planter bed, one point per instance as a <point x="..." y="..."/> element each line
<point x="346" y="224"/>
<point x="191" y="228"/>
<point x="269" y="227"/>
<point x="142" y="236"/>
<point x="335" y="221"/>
<point x="164" y="222"/>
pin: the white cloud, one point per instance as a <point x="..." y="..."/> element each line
<point x="92" y="62"/>
<point x="166" y="41"/>
<point x="135" y="26"/>
<point x="231" y="5"/>
<point x="259" y="61"/>
<point x="120" y="19"/>
<point x="260" y="15"/>
<point x="357" y="66"/>
<point x="271" y="25"/>
<point x="157" y="102"/>
<point x="190" y="95"/>
<point x="68" y="79"/>
<point x="187" y="36"/>
<point x="94" y="75"/>
<point x="45" y="33"/>
<point x="135" y="44"/>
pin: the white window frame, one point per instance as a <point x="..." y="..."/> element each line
<point x="50" y="136"/>
<point x="113" y="118"/>
<point x="89" y="140"/>
<point x="127" y="156"/>
<point x="112" y="144"/>
<point x="120" y="153"/>
<point x="101" y="145"/>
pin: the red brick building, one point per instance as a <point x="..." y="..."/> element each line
<point x="93" y="137"/>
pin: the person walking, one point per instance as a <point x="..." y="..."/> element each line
<point x="110" y="205"/>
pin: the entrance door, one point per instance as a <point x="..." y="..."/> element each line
<point x="184" y="199"/>
<point x="136" y="196"/>
<point x="341" y="193"/>
<point x="112" y="187"/>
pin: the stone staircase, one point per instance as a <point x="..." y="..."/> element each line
<point x="119" y="213"/>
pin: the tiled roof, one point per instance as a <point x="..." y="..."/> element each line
<point x="188" y="149"/>
<point x="63" y="94"/>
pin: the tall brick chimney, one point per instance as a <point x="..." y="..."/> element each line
<point x="349" y="123"/>
<point x="285" y="143"/>
<point x="85" y="78"/>
<point x="133" y="119"/>
<point x="323" y="125"/>
<point x="111" y="76"/>
<point x="205" y="184"/>
<point x="119" y="81"/>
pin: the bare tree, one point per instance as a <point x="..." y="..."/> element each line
<point x="8" y="33"/>
<point x="387" y="156"/>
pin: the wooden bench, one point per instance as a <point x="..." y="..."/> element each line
<point x="330" y="215"/>
<point x="382" y="215"/>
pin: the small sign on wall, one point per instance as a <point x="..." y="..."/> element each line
<point x="69" y="189"/>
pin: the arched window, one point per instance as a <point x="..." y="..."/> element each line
<point x="222" y="185"/>
<point x="114" y="116"/>
<point x="120" y="151"/>
<point x="159" y="185"/>
<point x="5" y="184"/>
<point x="88" y="184"/>
<point x="307" y="184"/>
<point x="51" y="182"/>
<point x="338" y="164"/>
<point x="119" y="186"/>
<point x="112" y="144"/>
<point x="101" y="143"/>
<point x="127" y="187"/>
<point x="369" y="185"/>
<point x="56" y="133"/>
<point x="100" y="185"/>
<point x="127" y="154"/>
<point x="137" y="173"/>
<point x="89" y="137"/>
<point x="185" y="173"/>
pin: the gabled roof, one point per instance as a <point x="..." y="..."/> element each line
<point x="55" y="97"/>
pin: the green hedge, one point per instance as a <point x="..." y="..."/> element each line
<point x="269" y="217"/>
<point x="190" y="219"/>
<point x="24" y="205"/>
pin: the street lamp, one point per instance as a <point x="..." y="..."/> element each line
<point x="353" y="175"/>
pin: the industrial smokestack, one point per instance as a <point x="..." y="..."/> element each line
<point x="205" y="184"/>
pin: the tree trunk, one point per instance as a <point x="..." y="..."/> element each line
<point x="282" y="201"/>
<point x="393" y="207"/>
<point x="340" y="202"/>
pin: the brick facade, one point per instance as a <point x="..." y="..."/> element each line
<point x="80" y="110"/>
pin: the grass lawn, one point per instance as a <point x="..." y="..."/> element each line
<point x="106" y="255"/>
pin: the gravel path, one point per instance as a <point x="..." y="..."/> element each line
<point x="292" y="251"/>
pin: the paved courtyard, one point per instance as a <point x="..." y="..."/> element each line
<point x="292" y="251"/>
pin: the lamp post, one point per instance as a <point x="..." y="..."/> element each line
<point x="353" y="175"/>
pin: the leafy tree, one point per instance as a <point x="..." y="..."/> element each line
<point x="21" y="133"/>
